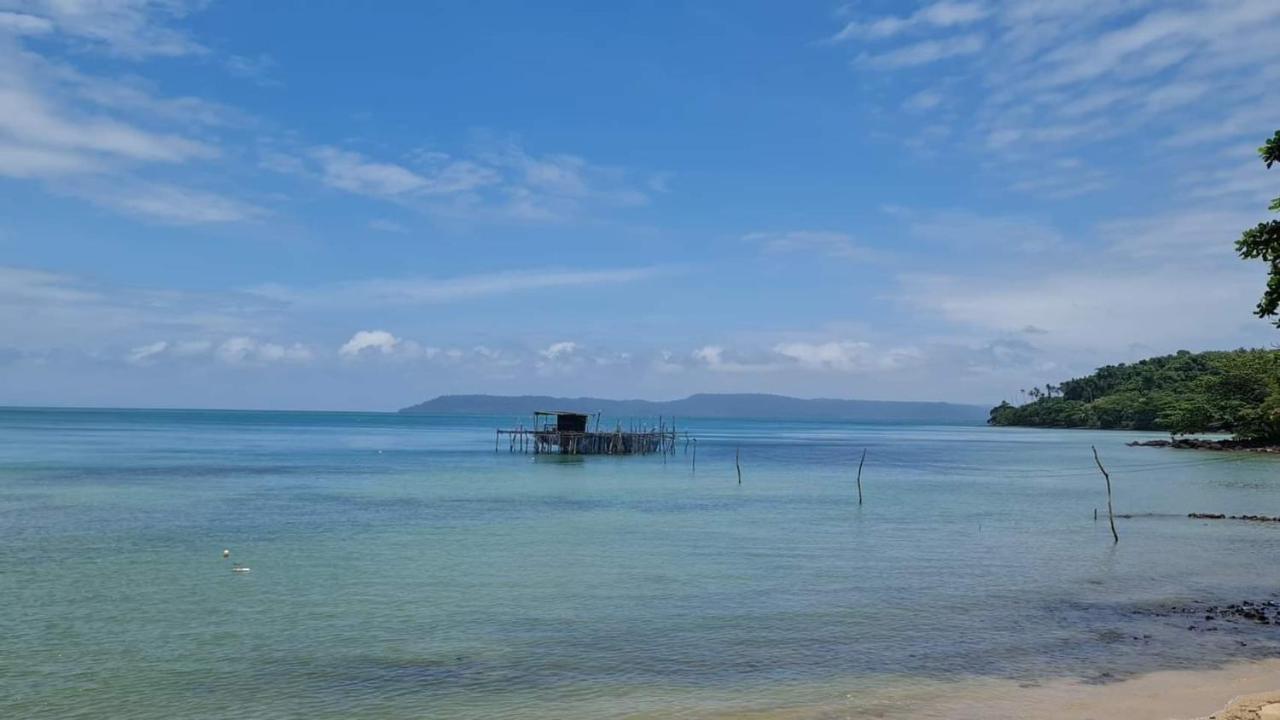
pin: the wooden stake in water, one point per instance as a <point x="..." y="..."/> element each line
<point x="1110" y="513"/>
<point x="737" y="454"/>
<point x="695" y="455"/>
<point x="864" y="459"/>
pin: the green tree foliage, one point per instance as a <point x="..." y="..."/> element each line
<point x="1263" y="242"/>
<point x="1236" y="391"/>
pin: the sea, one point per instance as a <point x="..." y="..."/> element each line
<point x="403" y="566"/>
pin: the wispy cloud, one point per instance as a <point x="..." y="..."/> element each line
<point x="943" y="14"/>
<point x="969" y="230"/>
<point x="130" y="28"/>
<point x="500" y="181"/>
<point x="1042" y="80"/>
<point x="353" y="172"/>
<point x="166" y="203"/>
<point x="45" y="312"/>
<point x="815" y="243"/>
<point x="1133" y="292"/>
<point x="234" y="351"/>
<point x="419" y="291"/>
<point x="925" y="52"/>
<point x="845" y="355"/>
<point x="97" y="137"/>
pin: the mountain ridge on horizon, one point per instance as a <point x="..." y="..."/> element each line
<point x="711" y="405"/>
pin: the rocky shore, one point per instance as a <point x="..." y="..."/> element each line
<point x="1208" y="617"/>
<point x="1197" y="444"/>
<point x="1221" y="516"/>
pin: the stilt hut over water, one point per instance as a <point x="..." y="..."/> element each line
<point x="571" y="433"/>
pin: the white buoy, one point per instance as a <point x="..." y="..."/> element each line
<point x="226" y="554"/>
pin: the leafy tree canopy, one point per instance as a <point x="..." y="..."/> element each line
<point x="1263" y="242"/>
<point x="1236" y="391"/>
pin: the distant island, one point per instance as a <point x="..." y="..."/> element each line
<point x="1236" y="391"/>
<point x="710" y="405"/>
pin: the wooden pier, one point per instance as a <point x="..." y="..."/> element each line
<point x="568" y="433"/>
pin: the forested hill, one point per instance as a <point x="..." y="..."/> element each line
<point x="711" y="405"/>
<point x="1235" y="391"/>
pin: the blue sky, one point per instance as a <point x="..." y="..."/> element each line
<point x="355" y="206"/>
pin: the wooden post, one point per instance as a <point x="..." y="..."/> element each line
<point x="864" y="459"/>
<point x="695" y="455"/>
<point x="737" y="455"/>
<point x="1110" y="513"/>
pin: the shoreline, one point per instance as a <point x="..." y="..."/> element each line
<point x="1244" y="690"/>
<point x="1225" y="693"/>
<point x="1214" y="445"/>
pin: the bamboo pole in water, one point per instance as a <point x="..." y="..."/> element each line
<point x="1110" y="513"/>
<point x="864" y="459"/>
<point x="737" y="456"/>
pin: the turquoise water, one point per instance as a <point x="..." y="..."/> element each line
<point x="403" y="569"/>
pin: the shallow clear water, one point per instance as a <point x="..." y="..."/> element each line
<point x="403" y="569"/>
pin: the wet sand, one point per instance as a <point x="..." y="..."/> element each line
<point x="1180" y="694"/>
<point x="1265" y="706"/>
<point x="1240" y="691"/>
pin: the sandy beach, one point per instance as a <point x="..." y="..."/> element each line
<point x="1166" y="695"/>
<point x="1240" y="691"/>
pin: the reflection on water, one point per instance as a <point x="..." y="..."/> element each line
<point x="402" y="568"/>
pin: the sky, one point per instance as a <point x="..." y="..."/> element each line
<point x="363" y="205"/>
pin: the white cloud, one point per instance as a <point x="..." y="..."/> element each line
<point x="250" y="351"/>
<point x="845" y="355"/>
<point x="1047" y="78"/>
<point x="560" y="358"/>
<point x="234" y="351"/>
<point x="55" y="312"/>
<point x="22" y="24"/>
<point x="33" y="163"/>
<point x="166" y="203"/>
<point x="1192" y="234"/>
<point x="354" y="173"/>
<point x="559" y="350"/>
<point x="1110" y="307"/>
<point x="379" y="341"/>
<point x="717" y="359"/>
<point x="943" y="14"/>
<point x="143" y="353"/>
<point x="94" y="137"/>
<point x="925" y="52"/>
<point x="31" y="120"/>
<point x="500" y="182"/>
<point x="133" y="28"/>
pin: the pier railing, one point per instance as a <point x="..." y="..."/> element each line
<point x="566" y="442"/>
